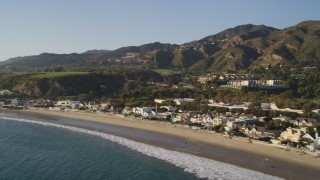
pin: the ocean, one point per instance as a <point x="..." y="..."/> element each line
<point x="36" y="148"/>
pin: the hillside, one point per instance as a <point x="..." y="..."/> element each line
<point x="246" y="31"/>
<point x="244" y="47"/>
<point x="54" y="84"/>
<point x="299" y="44"/>
<point x="251" y="46"/>
<point x="49" y="60"/>
<point x="61" y="84"/>
<point x="42" y="61"/>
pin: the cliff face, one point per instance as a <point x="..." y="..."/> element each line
<point x="69" y="86"/>
<point x="41" y="88"/>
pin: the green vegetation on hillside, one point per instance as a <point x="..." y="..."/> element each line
<point x="167" y="71"/>
<point x="53" y="84"/>
<point x="57" y="74"/>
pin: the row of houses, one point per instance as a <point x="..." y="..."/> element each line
<point x="248" y="125"/>
<point x="211" y="120"/>
<point x="186" y="86"/>
<point x="228" y="77"/>
<point x="244" y="125"/>
<point x="262" y="84"/>
<point x="254" y="127"/>
<point x="242" y="81"/>
<point x="230" y="105"/>
<point x="17" y="103"/>
<point x="177" y="101"/>
<point x="294" y="136"/>
<point x="263" y="106"/>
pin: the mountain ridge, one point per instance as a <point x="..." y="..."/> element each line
<point x="242" y="47"/>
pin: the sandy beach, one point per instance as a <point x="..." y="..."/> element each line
<point x="257" y="156"/>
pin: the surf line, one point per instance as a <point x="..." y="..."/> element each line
<point x="199" y="166"/>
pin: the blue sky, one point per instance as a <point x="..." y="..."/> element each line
<point x="65" y="26"/>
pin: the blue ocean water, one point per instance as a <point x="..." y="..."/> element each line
<point x="31" y="151"/>
<point x="35" y="148"/>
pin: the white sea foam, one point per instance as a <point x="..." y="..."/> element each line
<point x="201" y="167"/>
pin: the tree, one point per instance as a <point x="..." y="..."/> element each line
<point x="85" y="97"/>
<point x="58" y="69"/>
<point x="129" y="86"/>
<point x="307" y="108"/>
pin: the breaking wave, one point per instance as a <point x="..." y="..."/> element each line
<point x="201" y="167"/>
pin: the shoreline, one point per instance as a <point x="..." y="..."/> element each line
<point x="270" y="160"/>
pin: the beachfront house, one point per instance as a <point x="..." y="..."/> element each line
<point x="65" y="103"/>
<point x="2" y="102"/>
<point x="140" y="110"/>
<point x="181" y="116"/>
<point x="221" y="120"/>
<point x="204" y="119"/>
<point x="315" y="146"/>
<point x="257" y="132"/>
<point x="146" y="112"/>
<point x="208" y="119"/>
<point x="176" y="117"/>
<point x="91" y="106"/>
<point x="309" y="136"/>
<point x="16" y="102"/>
<point x="301" y="121"/>
<point x="41" y="103"/>
<point x="293" y="134"/>
<point x="160" y="116"/>
<point x="242" y="122"/>
<point x="68" y="104"/>
<point x="217" y="121"/>
<point x="196" y="118"/>
<point x="104" y="107"/>
<point x="127" y="111"/>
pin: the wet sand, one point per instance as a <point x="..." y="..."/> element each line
<point x="256" y="156"/>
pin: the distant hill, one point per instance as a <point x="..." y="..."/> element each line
<point x="146" y="48"/>
<point x="240" y="48"/>
<point x="95" y="51"/>
<point x="44" y="60"/>
<point x="248" y="30"/>
<point x="252" y="46"/>
<point x="49" y="60"/>
<point x="297" y="44"/>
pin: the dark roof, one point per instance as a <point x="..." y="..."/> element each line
<point x="265" y="129"/>
<point x="260" y="129"/>
<point x="306" y="119"/>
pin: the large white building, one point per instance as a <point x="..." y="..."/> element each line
<point x="5" y="92"/>
<point x="263" y="84"/>
<point x="183" y="101"/>
<point x="147" y="112"/>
